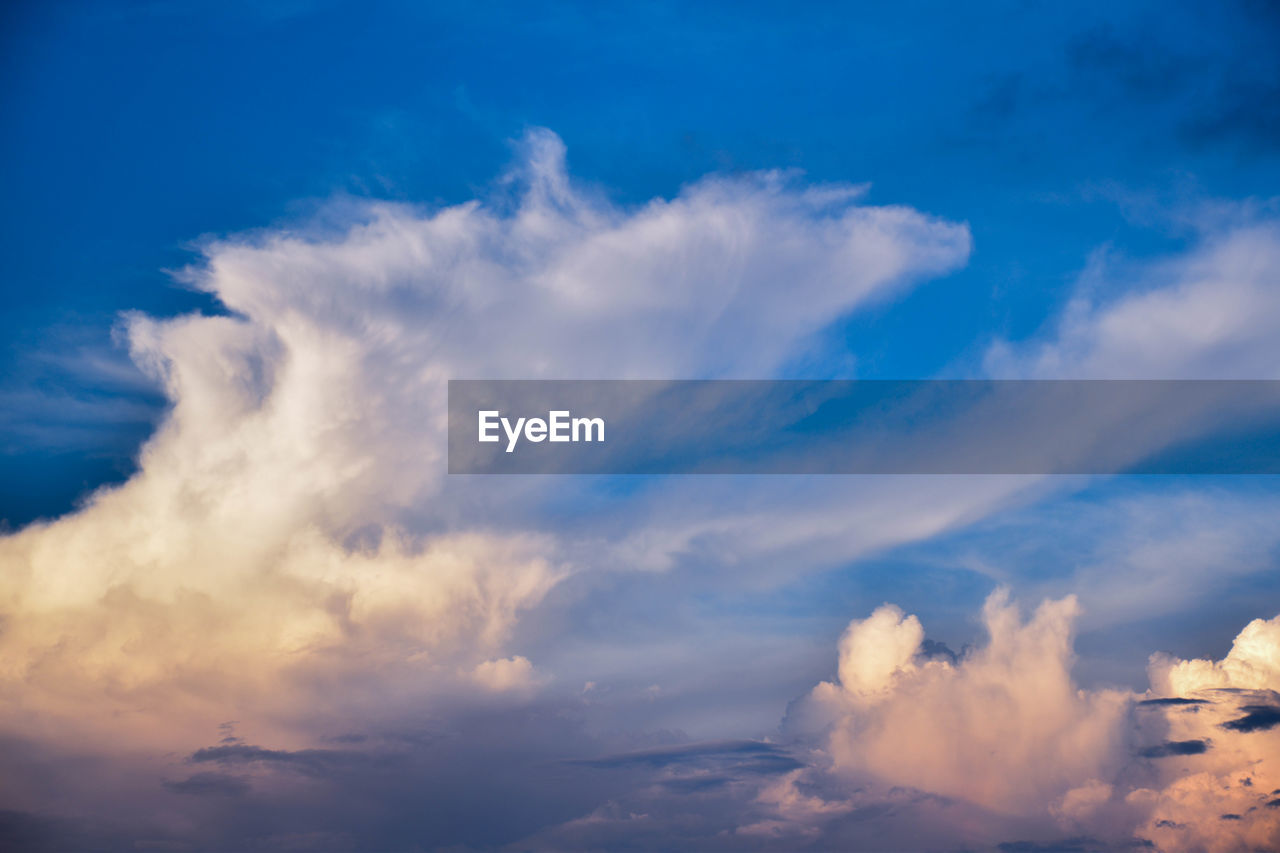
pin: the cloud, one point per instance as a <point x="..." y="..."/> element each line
<point x="506" y="675"/>
<point x="1006" y="732"/>
<point x="288" y="512"/>
<point x="210" y="784"/>
<point x="290" y="552"/>
<point x="1209" y="313"/>
<point x="1252" y="664"/>
<point x="995" y="748"/>
<point x="1004" y="728"/>
<point x="1132" y="550"/>
<point x="744" y="756"/>
<point x="1257" y="718"/>
<point x="1175" y="747"/>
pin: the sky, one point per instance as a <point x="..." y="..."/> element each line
<point x="243" y="605"/>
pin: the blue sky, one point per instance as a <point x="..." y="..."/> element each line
<point x="136" y="128"/>
<point x="259" y="236"/>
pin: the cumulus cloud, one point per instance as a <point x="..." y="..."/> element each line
<point x="290" y="551"/>
<point x="506" y="675"/>
<point x="1005" y="728"/>
<point x="1005" y="735"/>
<point x="996" y="747"/>
<point x="1252" y="664"/>
<point x="1226" y="796"/>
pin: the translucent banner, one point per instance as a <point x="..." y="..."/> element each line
<point x="864" y="427"/>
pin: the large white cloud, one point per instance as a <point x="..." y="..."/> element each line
<point x="291" y="532"/>
<point x="1005" y="727"/>
<point x="1252" y="664"/>
<point x="1005" y="734"/>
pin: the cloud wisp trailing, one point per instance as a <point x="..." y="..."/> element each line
<point x="1207" y="313"/>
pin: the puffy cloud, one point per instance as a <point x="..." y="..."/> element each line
<point x="290" y="551"/>
<point x="1004" y="733"/>
<point x="506" y="675"/>
<point x="876" y="650"/>
<point x="1225" y="797"/>
<point x="1252" y="664"/>
<point x="1004" y="728"/>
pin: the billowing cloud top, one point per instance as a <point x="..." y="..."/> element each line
<point x="1193" y="764"/>
<point x="289" y="528"/>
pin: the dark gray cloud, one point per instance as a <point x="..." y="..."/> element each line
<point x="312" y="762"/>
<point x="744" y="755"/>
<point x="1070" y="845"/>
<point x="1176" y="747"/>
<point x="1256" y="718"/>
<point x="209" y="784"/>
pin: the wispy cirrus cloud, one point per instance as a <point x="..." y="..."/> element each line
<point x="1207" y="313"/>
